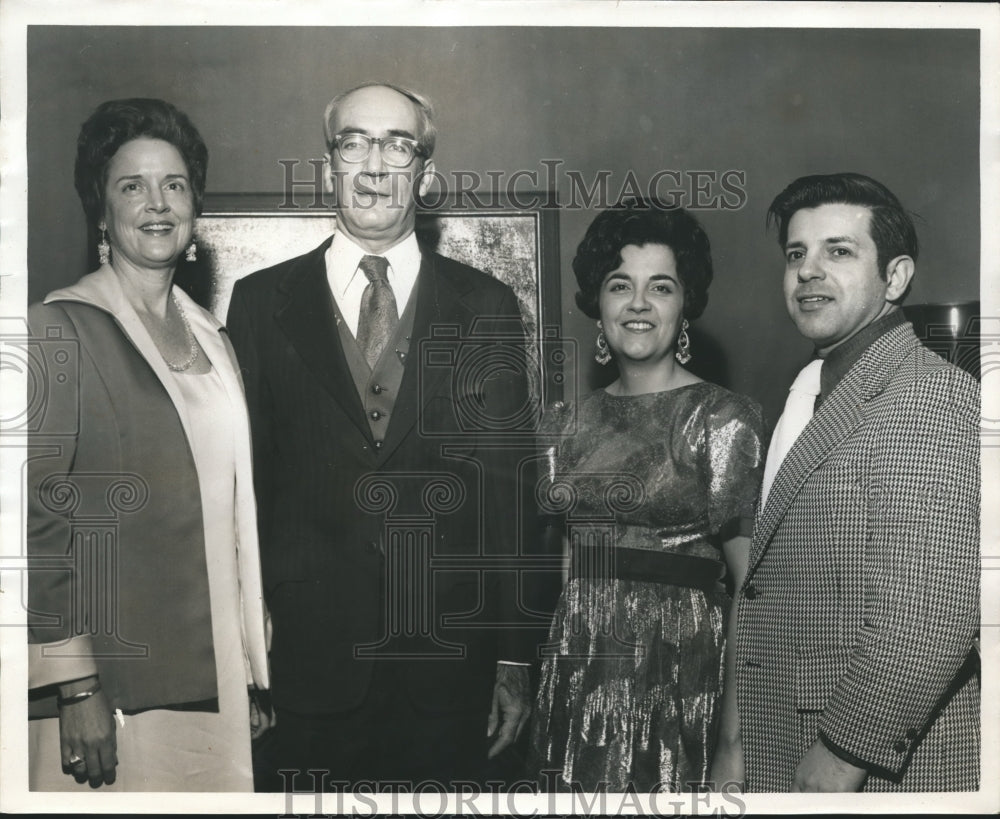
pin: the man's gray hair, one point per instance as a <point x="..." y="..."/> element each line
<point x="425" y="112"/>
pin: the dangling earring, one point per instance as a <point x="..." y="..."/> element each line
<point x="103" y="248"/>
<point x="192" y="252"/>
<point x="683" y="353"/>
<point x="603" y="354"/>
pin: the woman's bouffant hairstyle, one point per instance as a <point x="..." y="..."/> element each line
<point x="638" y="222"/>
<point x="116" y="122"/>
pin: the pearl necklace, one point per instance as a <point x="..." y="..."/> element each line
<point x="189" y="335"/>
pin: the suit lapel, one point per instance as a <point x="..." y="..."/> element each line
<point x="438" y="302"/>
<point x="308" y="319"/>
<point x="841" y="413"/>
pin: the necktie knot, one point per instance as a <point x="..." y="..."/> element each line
<point x="376" y="268"/>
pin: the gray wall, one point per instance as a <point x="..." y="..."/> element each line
<point x="900" y="105"/>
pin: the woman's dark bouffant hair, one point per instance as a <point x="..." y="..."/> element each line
<point x="116" y="122"/>
<point x="643" y="223"/>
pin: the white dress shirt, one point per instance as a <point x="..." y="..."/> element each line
<point x="348" y="283"/>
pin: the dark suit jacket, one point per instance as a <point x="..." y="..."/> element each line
<point x="862" y="596"/>
<point x="400" y="548"/>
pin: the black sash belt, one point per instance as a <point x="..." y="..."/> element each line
<point x="645" y="565"/>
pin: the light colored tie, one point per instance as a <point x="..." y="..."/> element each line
<point x="378" y="317"/>
<point x="798" y="410"/>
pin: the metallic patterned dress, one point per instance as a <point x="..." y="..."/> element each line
<point x="633" y="668"/>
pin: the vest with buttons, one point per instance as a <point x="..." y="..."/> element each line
<point x="379" y="387"/>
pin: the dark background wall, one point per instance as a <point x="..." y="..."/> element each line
<point x="900" y="105"/>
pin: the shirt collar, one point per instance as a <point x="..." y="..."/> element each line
<point x="344" y="255"/>
<point x="840" y="359"/>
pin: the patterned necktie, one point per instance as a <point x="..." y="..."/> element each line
<point x="378" y="318"/>
<point x="798" y="411"/>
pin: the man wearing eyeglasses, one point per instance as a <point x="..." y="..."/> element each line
<point x="387" y="519"/>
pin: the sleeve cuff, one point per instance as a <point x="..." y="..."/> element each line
<point x="846" y="756"/>
<point x="51" y="663"/>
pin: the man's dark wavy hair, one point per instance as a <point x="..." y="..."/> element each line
<point x="116" y="122"/>
<point x="643" y="222"/>
<point x="891" y="226"/>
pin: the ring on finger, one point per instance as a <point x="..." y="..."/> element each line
<point x="75" y="760"/>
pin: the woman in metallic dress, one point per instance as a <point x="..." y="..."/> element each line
<point x="654" y="480"/>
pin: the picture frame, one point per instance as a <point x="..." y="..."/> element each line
<point x="516" y="242"/>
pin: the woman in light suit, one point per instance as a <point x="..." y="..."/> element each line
<point x="146" y="623"/>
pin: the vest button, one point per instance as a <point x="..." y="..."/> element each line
<point x="378" y="445"/>
<point x="377" y="389"/>
<point x="375" y="415"/>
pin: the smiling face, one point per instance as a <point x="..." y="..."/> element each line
<point x="642" y="303"/>
<point x="148" y="205"/>
<point x="376" y="205"/>
<point x="832" y="284"/>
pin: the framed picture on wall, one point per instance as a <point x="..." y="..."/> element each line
<point x="240" y="233"/>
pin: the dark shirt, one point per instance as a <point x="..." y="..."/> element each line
<point x="840" y="359"/>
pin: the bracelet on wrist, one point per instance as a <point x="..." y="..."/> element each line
<point x="87" y="693"/>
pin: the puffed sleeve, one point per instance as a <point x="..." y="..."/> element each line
<point x="735" y="449"/>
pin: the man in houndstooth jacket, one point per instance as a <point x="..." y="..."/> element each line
<point x="854" y="664"/>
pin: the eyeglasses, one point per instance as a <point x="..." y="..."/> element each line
<point x="397" y="151"/>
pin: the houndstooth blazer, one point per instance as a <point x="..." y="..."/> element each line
<point x="861" y="603"/>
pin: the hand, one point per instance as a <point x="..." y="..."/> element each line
<point x="87" y="736"/>
<point x="728" y="767"/>
<point x="261" y="716"/>
<point x="819" y="770"/>
<point x="511" y="707"/>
